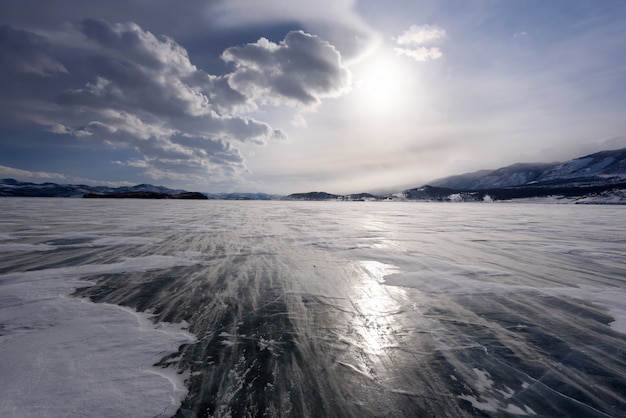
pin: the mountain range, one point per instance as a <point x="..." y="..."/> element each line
<point x="595" y="169"/>
<point x="594" y="178"/>
<point x="11" y="187"/>
<point x="15" y="188"/>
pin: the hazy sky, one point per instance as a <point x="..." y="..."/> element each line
<point x="284" y="96"/>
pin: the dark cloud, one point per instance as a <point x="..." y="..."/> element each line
<point x="162" y="15"/>
<point x="133" y="69"/>
<point x="302" y="69"/>
<point x="25" y="52"/>
<point x="190" y="22"/>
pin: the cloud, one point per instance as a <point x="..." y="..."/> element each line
<point x="188" y="159"/>
<point x="140" y="91"/>
<point x="25" y="52"/>
<point x="417" y="42"/>
<point x="299" y="121"/>
<point x="44" y="176"/>
<point x="419" y="35"/>
<point x="134" y="69"/>
<point x="421" y="53"/>
<point x="300" y="70"/>
<point x="18" y="173"/>
<point x="338" y="20"/>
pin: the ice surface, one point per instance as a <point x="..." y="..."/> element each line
<point x="64" y="356"/>
<point x="437" y="278"/>
<point x="10" y="248"/>
<point x="311" y="308"/>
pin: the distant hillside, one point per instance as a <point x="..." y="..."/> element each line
<point x="11" y="187"/>
<point x="312" y="196"/>
<point x="328" y="196"/>
<point x="613" y="193"/>
<point x="592" y="170"/>
<point x="596" y="178"/>
<point x="147" y="195"/>
<point x="242" y="196"/>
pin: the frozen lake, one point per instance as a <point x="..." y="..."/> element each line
<point x="311" y="309"/>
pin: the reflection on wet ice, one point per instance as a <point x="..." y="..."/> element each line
<point x="374" y="306"/>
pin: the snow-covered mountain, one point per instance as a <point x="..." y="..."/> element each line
<point x="510" y="176"/>
<point x="603" y="166"/>
<point x="12" y="187"/>
<point x="595" y="178"/>
<point x="596" y="169"/>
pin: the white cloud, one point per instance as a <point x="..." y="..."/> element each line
<point x="417" y="42"/>
<point x="299" y="121"/>
<point x="133" y="69"/>
<point x="338" y="20"/>
<point x="44" y="176"/>
<point x="21" y="174"/>
<point x="59" y="128"/>
<point x="419" y="35"/>
<point x="421" y="53"/>
<point x="300" y="70"/>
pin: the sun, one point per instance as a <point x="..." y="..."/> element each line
<point x="381" y="82"/>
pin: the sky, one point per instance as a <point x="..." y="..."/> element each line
<point x="280" y="96"/>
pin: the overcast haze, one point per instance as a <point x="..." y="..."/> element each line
<point x="284" y="96"/>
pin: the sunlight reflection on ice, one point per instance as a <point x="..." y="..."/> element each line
<point x="375" y="304"/>
<point x="377" y="270"/>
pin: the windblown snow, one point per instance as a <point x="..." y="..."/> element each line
<point x="215" y="308"/>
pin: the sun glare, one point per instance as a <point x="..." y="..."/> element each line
<point x="380" y="83"/>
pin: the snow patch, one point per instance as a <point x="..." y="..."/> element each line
<point x="83" y="356"/>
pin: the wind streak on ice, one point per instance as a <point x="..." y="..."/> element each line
<point x="354" y="309"/>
